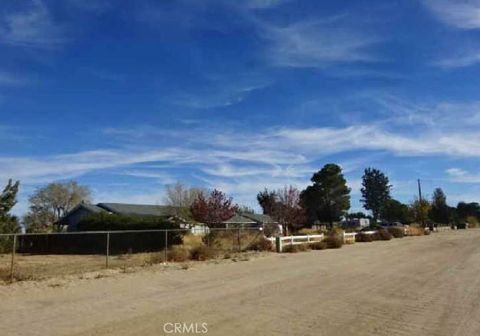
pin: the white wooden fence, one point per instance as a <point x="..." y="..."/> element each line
<point x="280" y="242"/>
<point x="295" y="240"/>
<point x="349" y="237"/>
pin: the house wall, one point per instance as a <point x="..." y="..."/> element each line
<point x="75" y="217"/>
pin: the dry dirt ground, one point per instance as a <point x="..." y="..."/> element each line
<point x="412" y="286"/>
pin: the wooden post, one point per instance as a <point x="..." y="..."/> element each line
<point x="12" y="264"/>
<point x="107" y="254"/>
<point x="278" y="244"/>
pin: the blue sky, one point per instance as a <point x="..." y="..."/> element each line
<point x="127" y="97"/>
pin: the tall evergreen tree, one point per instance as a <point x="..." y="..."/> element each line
<point x="8" y="199"/>
<point x="439" y="210"/>
<point x="328" y="199"/>
<point x="375" y="191"/>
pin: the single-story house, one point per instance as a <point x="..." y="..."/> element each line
<point x="249" y="220"/>
<point x="71" y="220"/>
<point x="241" y="220"/>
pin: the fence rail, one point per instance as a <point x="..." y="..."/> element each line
<point x="349" y="237"/>
<point x="295" y="240"/>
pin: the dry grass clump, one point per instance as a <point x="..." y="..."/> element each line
<point x="202" y="253"/>
<point x="296" y="248"/>
<point x="178" y="254"/>
<point x="396" y="231"/>
<point x="362" y="237"/>
<point x="156" y="258"/>
<point x="383" y="234"/>
<point x="321" y="245"/>
<point x="415" y="230"/>
<point x="260" y="244"/>
<point x="333" y="242"/>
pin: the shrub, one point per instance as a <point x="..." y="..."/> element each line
<point x="156" y="258"/>
<point x="202" y="253"/>
<point x="383" y="234"/>
<point x="261" y="244"/>
<point x="333" y="242"/>
<point x="178" y="254"/>
<point x="319" y="245"/>
<point x="296" y="248"/>
<point x="363" y="237"/>
<point x="415" y="230"/>
<point x="396" y="231"/>
<point x="112" y="222"/>
<point x="472" y="221"/>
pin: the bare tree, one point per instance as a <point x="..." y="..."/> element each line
<point x="180" y="198"/>
<point x="54" y="201"/>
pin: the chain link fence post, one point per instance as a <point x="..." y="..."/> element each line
<point x="107" y="250"/>
<point x="12" y="264"/>
<point x="166" y="246"/>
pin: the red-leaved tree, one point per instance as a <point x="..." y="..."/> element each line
<point x="213" y="209"/>
<point x="285" y="206"/>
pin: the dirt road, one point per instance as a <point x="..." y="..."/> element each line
<point x="412" y="286"/>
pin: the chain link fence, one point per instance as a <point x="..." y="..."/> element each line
<point x="43" y="255"/>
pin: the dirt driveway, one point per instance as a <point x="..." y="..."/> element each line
<point x="412" y="286"/>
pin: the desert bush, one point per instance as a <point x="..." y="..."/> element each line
<point x="321" y="245"/>
<point x="472" y="221"/>
<point x="333" y="241"/>
<point x="396" y="231"/>
<point x="260" y="244"/>
<point x="363" y="237"/>
<point x="383" y="234"/>
<point x="202" y="253"/>
<point x="156" y="258"/>
<point x="178" y="254"/>
<point x="415" y="230"/>
<point x="296" y="248"/>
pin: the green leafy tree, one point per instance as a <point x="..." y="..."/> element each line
<point x="328" y="198"/>
<point x="395" y="211"/>
<point x="465" y="210"/>
<point x="420" y="210"/>
<point x="375" y="192"/>
<point x="439" y="211"/>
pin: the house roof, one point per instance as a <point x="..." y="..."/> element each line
<point x="238" y="219"/>
<point x="87" y="206"/>
<point x="248" y="218"/>
<point x="259" y="218"/>
<point x="91" y="207"/>
<point x="137" y="209"/>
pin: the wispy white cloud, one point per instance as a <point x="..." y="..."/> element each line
<point x="32" y="27"/>
<point x="463" y="14"/>
<point x="317" y="44"/>
<point x="466" y="59"/>
<point x="263" y="4"/>
<point x="462" y="176"/>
